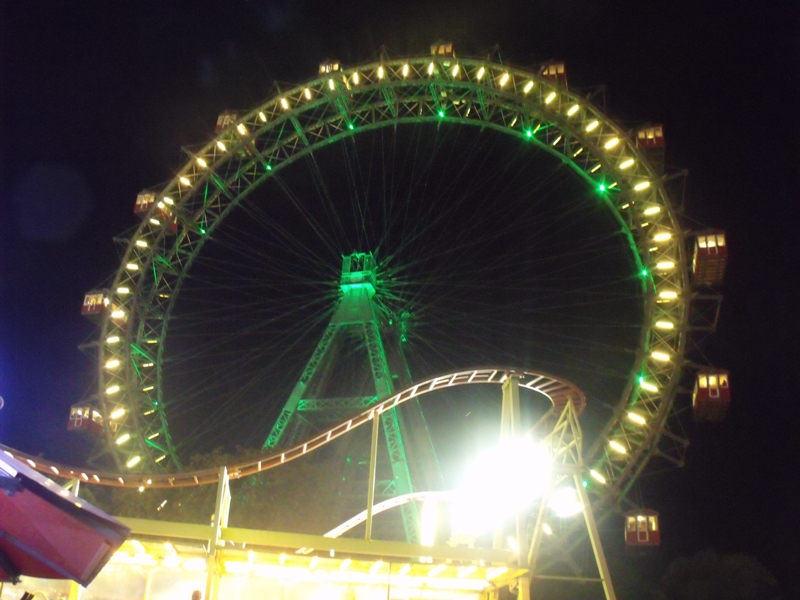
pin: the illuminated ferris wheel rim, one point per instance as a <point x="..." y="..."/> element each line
<point x="430" y="89"/>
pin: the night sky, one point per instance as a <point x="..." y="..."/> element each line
<point x="97" y="98"/>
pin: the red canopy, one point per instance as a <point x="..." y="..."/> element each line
<point x="45" y="531"/>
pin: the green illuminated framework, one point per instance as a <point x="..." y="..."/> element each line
<point x="358" y="314"/>
<point x="445" y="90"/>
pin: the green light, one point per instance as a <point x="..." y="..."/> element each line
<point x="585" y="483"/>
<point x="641" y="378"/>
<point x="529" y="132"/>
<point x="350" y="126"/>
<point x="203" y="231"/>
<point x="269" y="167"/>
<point x="441" y="113"/>
<point x="602" y="187"/>
<point x="644" y="273"/>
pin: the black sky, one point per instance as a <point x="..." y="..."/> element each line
<point x="97" y="99"/>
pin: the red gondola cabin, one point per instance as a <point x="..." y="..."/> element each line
<point x="85" y="417"/>
<point x="650" y="137"/>
<point x="710" y="258"/>
<point x="712" y="395"/>
<point x="95" y="304"/>
<point x="225" y="120"/>
<point x="642" y="529"/>
<point x="556" y="72"/>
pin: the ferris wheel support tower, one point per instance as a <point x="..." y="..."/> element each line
<point x="360" y="315"/>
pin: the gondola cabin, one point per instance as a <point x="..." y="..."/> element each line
<point x="642" y="529"/>
<point x="162" y="214"/>
<point x="95" y="304"/>
<point x="710" y="258"/>
<point x="443" y="49"/>
<point x="712" y="395"/>
<point x="144" y="202"/>
<point x="555" y="71"/>
<point x="329" y="66"/>
<point x="226" y="119"/>
<point x="650" y="137"/>
<point x="83" y="417"/>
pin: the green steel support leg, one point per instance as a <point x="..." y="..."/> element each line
<point x="290" y="408"/>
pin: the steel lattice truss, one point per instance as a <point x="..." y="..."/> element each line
<point x="295" y="123"/>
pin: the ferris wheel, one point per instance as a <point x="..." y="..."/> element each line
<point x="512" y="222"/>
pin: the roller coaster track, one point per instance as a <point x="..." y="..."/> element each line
<point x="557" y="390"/>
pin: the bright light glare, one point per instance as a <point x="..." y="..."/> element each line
<point x="466" y="571"/>
<point x="648" y="386"/>
<point x="504" y="79"/>
<point x="202" y="162"/>
<point x="668" y="295"/>
<point x="495" y="572"/>
<point x="611" y="143"/>
<point x="405" y="70"/>
<point x="653" y="210"/>
<point x="616" y="446"/>
<point x="428" y="524"/>
<point x="550" y="97"/>
<point x="356" y="78"/>
<point x="479" y="507"/>
<point x="528" y="87"/>
<point x="512" y="543"/>
<point x="241" y="129"/>
<point x="380" y="72"/>
<point x="135" y="461"/>
<point x="123" y="438"/>
<point x="112" y="364"/>
<point x="565" y="503"/>
<point x="262" y="116"/>
<point x="307" y="93"/>
<point x="641" y="186"/>
<point x="665" y="325"/>
<point x="430" y="69"/>
<point x="118" y="314"/>
<point x="661" y="356"/>
<point x="573" y="109"/>
<point x="597" y="476"/>
<point x="222" y="146"/>
<point x="626" y="163"/>
<point x="665" y="264"/>
<point x="185" y="181"/>
<point x="117" y="413"/>
<point x="284" y="103"/>
<point x="592" y="126"/>
<point x="637" y="418"/>
<point x="662" y="237"/>
<point x="481" y="72"/>
<point x="455" y="70"/>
